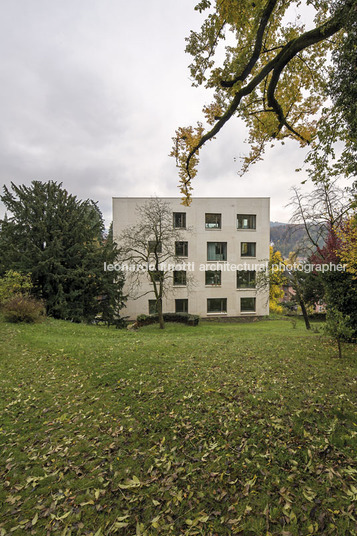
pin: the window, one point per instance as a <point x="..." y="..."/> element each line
<point x="247" y="305"/>
<point x="157" y="275"/>
<point x="180" y="277"/>
<point x="248" y="249"/>
<point x="213" y="221"/>
<point x="245" y="278"/>
<point x="152" y="307"/>
<point x="217" y="251"/>
<point x="181" y="306"/>
<point x="213" y="277"/>
<point x="216" y="305"/>
<point x="180" y="220"/>
<point x="181" y="249"/>
<point x="246" y="221"/>
<point x="154" y="246"/>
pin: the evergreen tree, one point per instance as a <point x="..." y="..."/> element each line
<point x="60" y="241"/>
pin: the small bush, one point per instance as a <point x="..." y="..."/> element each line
<point x="14" y="284"/>
<point x="183" y="318"/>
<point x="23" y="309"/>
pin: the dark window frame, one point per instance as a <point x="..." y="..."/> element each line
<point x="157" y="275"/>
<point x="183" y="243"/>
<point x="179" y="224"/>
<point x="152" y="305"/>
<point x="179" y="282"/>
<point x="154" y="245"/>
<point x="213" y="225"/>
<point x="245" y="310"/>
<point x="248" y="254"/>
<point x="181" y="301"/>
<point x="223" y="252"/>
<point x="219" y="278"/>
<point x="252" y="280"/>
<point x="252" y="217"/>
<point x="222" y="308"/>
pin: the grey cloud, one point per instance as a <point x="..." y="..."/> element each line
<point x="92" y="92"/>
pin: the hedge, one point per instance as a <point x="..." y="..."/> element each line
<point x="183" y="318"/>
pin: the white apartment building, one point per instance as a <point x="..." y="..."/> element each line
<point x="225" y="242"/>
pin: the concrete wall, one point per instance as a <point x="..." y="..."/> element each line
<point x="124" y="215"/>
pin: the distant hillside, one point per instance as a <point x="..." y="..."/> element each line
<point x="287" y="237"/>
<point x="276" y="224"/>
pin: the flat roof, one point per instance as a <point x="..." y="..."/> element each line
<point x="178" y="197"/>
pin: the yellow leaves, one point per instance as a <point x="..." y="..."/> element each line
<point x="133" y="483"/>
<point x="185" y="141"/>
<point x="201" y="518"/>
<point x="276" y="280"/>
<point x="347" y="251"/>
<point x="273" y="76"/>
<point x="120" y="523"/>
<point x="309" y="494"/>
<point x="352" y="493"/>
<point x="212" y="112"/>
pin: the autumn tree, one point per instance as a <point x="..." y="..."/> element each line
<point x="276" y="280"/>
<point x="347" y="246"/>
<point x="274" y="74"/>
<point x="150" y="244"/>
<point x="322" y="212"/>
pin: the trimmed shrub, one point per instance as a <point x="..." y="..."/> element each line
<point x="183" y="318"/>
<point x="23" y="309"/>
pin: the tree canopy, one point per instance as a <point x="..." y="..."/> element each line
<point x="60" y="241"/>
<point x="274" y="76"/>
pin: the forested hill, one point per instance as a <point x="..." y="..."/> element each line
<point x="287" y="237"/>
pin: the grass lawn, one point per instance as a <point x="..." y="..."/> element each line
<point x="221" y="429"/>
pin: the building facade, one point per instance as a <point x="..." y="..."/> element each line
<point x="225" y="242"/>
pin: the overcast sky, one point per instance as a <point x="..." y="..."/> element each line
<point x="92" y="92"/>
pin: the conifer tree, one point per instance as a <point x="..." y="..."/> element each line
<point x="59" y="240"/>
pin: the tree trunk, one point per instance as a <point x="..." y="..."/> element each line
<point x="304" y="314"/>
<point x="159" y="313"/>
<point x="339" y="348"/>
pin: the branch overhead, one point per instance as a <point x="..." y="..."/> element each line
<point x="279" y="85"/>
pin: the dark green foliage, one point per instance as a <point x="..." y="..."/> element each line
<point x="343" y="83"/>
<point x="183" y="318"/>
<point x="338" y="327"/>
<point x="60" y="241"/>
<point x="341" y="295"/>
<point x="22" y="308"/>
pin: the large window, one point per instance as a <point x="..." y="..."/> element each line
<point x="217" y="251"/>
<point x="180" y="277"/>
<point x="246" y="221"/>
<point x="181" y="249"/>
<point x="180" y="220"/>
<point x="213" y="277"/>
<point x="181" y="306"/>
<point x="154" y="246"/>
<point x="246" y="278"/>
<point x="213" y="221"/>
<point x="216" y="305"/>
<point x="248" y="249"/>
<point x="247" y="305"/>
<point x="152" y="307"/>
